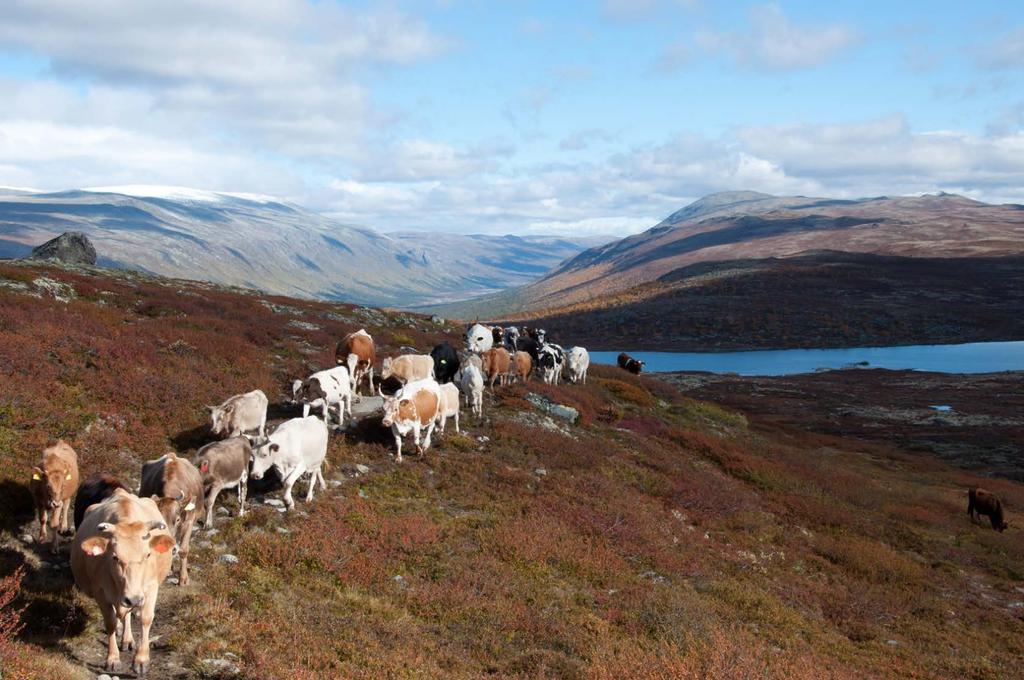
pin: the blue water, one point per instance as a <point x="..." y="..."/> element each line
<point x="974" y="357"/>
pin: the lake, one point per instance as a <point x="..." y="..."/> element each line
<point x="974" y="357"/>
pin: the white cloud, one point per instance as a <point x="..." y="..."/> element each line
<point x="1005" y="52"/>
<point x="775" y="43"/>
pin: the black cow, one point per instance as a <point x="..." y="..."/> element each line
<point x="530" y="346"/>
<point x="498" y="334"/>
<point x="979" y="502"/>
<point x="96" y="489"/>
<point x="630" y="364"/>
<point x="446" y="362"/>
<point x="537" y="334"/>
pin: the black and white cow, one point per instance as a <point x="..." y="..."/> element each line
<point x="550" y="362"/>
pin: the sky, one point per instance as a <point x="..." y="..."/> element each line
<point x="503" y="116"/>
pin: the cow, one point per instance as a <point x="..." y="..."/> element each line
<point x="357" y="351"/>
<point x="95" y="489"/>
<point x="411" y="409"/>
<point x="578" y="361"/>
<point x="522" y="364"/>
<point x="497" y="336"/>
<point x="474" y="359"/>
<point x="448" y="407"/>
<point x="496" y="362"/>
<point x="296" y="390"/>
<point x="630" y="364"/>
<point x="240" y="414"/>
<point x="296" y="447"/>
<point x="473" y="387"/>
<point x="982" y="502"/>
<point x="530" y="346"/>
<point x="511" y="339"/>
<point x="446" y="362"/>
<point x="550" y="363"/>
<point x="177" y="488"/>
<point x="222" y="465"/>
<point x="538" y="334"/>
<point x="479" y="339"/>
<point x="326" y="389"/>
<point x="53" y="485"/>
<point x="121" y="554"/>
<point x="408" y="368"/>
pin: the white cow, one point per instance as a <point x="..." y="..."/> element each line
<point x="578" y="360"/>
<point x="449" y="406"/>
<point x="479" y="338"/>
<point x="296" y="447"/>
<point x="240" y="414"/>
<point x="472" y="384"/>
<point x="326" y="389"/>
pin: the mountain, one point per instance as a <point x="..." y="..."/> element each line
<point x="260" y="242"/>
<point x="751" y="226"/>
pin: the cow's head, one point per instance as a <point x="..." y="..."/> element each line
<point x="49" y="484"/>
<point x="479" y="338"/>
<point x="386" y="368"/>
<point x="175" y="509"/>
<point x="130" y="548"/>
<point x="264" y="454"/>
<point x="220" y="416"/>
<point x="311" y="391"/>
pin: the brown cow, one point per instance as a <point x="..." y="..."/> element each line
<point x="53" y="485"/>
<point x="496" y="362"/>
<point x="408" y="367"/>
<point x="120" y="556"/>
<point x="981" y="502"/>
<point x="357" y="351"/>
<point x="449" y="406"/>
<point x="522" y="364"/>
<point x="224" y="465"/>
<point x="177" y="488"/>
<point x="414" y="407"/>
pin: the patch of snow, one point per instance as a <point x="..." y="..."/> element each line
<point x="179" y="193"/>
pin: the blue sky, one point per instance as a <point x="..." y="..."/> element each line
<point x="528" y="117"/>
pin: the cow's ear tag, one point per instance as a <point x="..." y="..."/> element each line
<point x="35" y="476"/>
<point x="68" y="477"/>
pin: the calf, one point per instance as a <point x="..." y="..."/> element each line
<point x="224" y="465"/>
<point x="981" y="502"/>
<point x="479" y="339"/>
<point x="53" y="485"/>
<point x="522" y="364"/>
<point x="448" y="407"/>
<point x="326" y="389"/>
<point x="120" y="556"/>
<point x="408" y="368"/>
<point x="473" y="387"/>
<point x="357" y="351"/>
<point x="550" y="363"/>
<point x="240" y="414"/>
<point x="578" y="360"/>
<point x="411" y="409"/>
<point x="496" y="362"/>
<point x="296" y="447"/>
<point x="96" y="489"/>
<point x="446" y="362"/>
<point x="177" y="488"/>
<point x="630" y="364"/>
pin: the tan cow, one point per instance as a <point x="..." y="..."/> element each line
<point x="449" y="406"/>
<point x="53" y="486"/>
<point x="408" y="367"/>
<point x="357" y="351"/>
<point x="224" y="465"/>
<point x="177" y="488"/>
<point x="496" y="362"/>
<point x="522" y="364"/>
<point x="120" y="556"/>
<point x="412" y="408"/>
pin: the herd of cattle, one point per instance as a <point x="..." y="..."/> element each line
<point x="124" y="543"/>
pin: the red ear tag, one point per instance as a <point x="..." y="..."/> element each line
<point x="204" y="466"/>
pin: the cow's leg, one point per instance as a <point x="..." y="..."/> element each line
<point x="398" y="443"/>
<point x="312" y="483"/>
<point x="320" y="476"/>
<point x="416" y="438"/>
<point x="44" y="518"/>
<point x="141" y="662"/>
<point x="66" y="525"/>
<point x="426" y="439"/>
<point x="127" y="639"/>
<point x="305" y="410"/>
<point x="457" y="431"/>
<point x="110" y="627"/>
<point x="243" y="488"/>
<point x="211" y="498"/>
<point x="186" y="540"/>
<point x="289" y="482"/>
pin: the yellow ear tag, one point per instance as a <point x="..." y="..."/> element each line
<point x="68" y="477"/>
<point x="35" y="476"/>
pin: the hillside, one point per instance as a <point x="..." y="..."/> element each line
<point x="658" y="533"/>
<point x="750" y="226"/>
<point x="262" y="243"/>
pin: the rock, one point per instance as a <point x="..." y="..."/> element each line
<point x="228" y="558"/>
<point x="362" y="494"/>
<point x="437" y="319"/>
<point x="274" y="502"/>
<point x="282" y="510"/>
<point x="72" y="247"/>
<point x="566" y="413"/>
<point x="362" y="469"/>
<point x="61" y="292"/>
<point x="218" y="667"/>
<point x="283" y="530"/>
<point x="304" y="325"/>
<point x="173" y="580"/>
<point x="334" y="483"/>
<point x="892" y="643"/>
<point x="400" y="580"/>
<point x="223" y="511"/>
<point x="104" y="676"/>
<point x="212" y="531"/>
<point x="27" y="538"/>
<point x="540" y="472"/>
<point x="653" y="576"/>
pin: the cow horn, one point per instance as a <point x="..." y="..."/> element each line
<point x="380" y="391"/>
<point x="180" y="497"/>
<point x="105" y="527"/>
<point x="156" y="524"/>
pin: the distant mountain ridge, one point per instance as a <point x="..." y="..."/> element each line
<point x="257" y="241"/>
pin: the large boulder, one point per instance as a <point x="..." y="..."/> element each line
<point x="72" y="247"/>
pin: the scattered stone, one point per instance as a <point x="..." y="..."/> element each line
<point x="27" y="538"/>
<point x="104" y="676"/>
<point x="892" y="643"/>
<point x="400" y="580"/>
<point x="283" y="530"/>
<point x="566" y="413"/>
<point x="362" y="469"/>
<point x="282" y="510"/>
<point x="335" y="483"/>
<point x="72" y="247"/>
<point x="540" y="472"/>
<point x="173" y="580"/>
<point x="653" y="576"/>
<point x="362" y="494"/>
<point x="437" y="319"/>
<point x="228" y="558"/>
<point x="218" y="667"/>
<point x="212" y="531"/>
<point x="304" y="325"/>
<point x="61" y="292"/>
<point x="223" y="511"/>
<point x="274" y="502"/>
<point x="483" y="439"/>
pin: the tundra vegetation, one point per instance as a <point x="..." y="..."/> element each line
<point x="657" y="537"/>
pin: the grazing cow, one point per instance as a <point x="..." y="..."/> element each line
<point x="522" y="364"/>
<point x="296" y="390"/>
<point x="411" y="409"/>
<point x="177" y="488"/>
<point x="550" y="363"/>
<point x="408" y="368"/>
<point x="511" y="339"/>
<point x="121" y="554"/>
<point x="496" y="362"/>
<point x="224" y="465"/>
<point x="449" y="407"/>
<point x="473" y="388"/>
<point x="53" y="485"/>
<point x="630" y="364"/>
<point x="479" y="339"/>
<point x="981" y="502"/>
<point x="296" y="447"/>
<point x="240" y="414"/>
<point x="446" y="362"/>
<point x="357" y="351"/>
<point x="96" y="489"/>
<point x="530" y="346"/>
<point x="578" y="360"/>
<point x="326" y="389"/>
